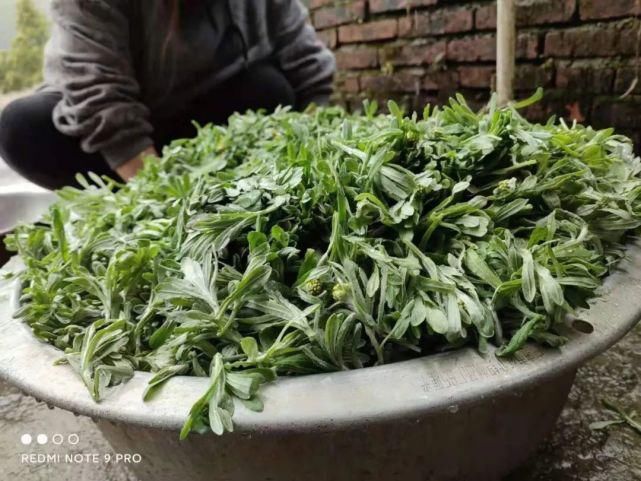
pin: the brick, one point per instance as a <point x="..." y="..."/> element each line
<point x="439" y="22"/>
<point x="585" y="79"/>
<point x="476" y="76"/>
<point x="423" y="99"/>
<point x="314" y="4"/>
<point x="472" y="49"/>
<point x="623" y="80"/>
<point x="600" y="9"/>
<point x="441" y="80"/>
<point x="348" y="84"/>
<point x="402" y="99"/>
<point x="351" y="84"/>
<point x="354" y="104"/>
<point x="476" y="99"/>
<point x="528" y="12"/>
<point x="382" y="6"/>
<point x="414" y="54"/>
<point x="451" y="20"/>
<point x="356" y="58"/>
<point x="339" y="99"/>
<point x="368" y="32"/>
<point x="485" y="17"/>
<point x="554" y="102"/>
<point x="483" y="48"/>
<point x="331" y="16"/>
<point x="635" y="136"/>
<point x="539" y="12"/>
<point x="406" y="25"/>
<point x="613" y="112"/>
<point x="531" y="77"/>
<point x="592" y="41"/>
<point x="527" y="46"/>
<point x="328" y="37"/>
<point x="398" y="82"/>
<point x="556" y="44"/>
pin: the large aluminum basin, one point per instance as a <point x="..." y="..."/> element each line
<point x="452" y="416"/>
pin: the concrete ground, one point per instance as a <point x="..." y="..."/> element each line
<point x="20" y="415"/>
<point x="571" y="453"/>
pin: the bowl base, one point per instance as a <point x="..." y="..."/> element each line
<point x="481" y="441"/>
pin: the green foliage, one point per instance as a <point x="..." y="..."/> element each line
<point x="21" y="65"/>
<point x="294" y="243"/>
<point x="618" y="416"/>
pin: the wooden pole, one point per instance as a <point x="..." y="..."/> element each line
<point x="505" y="50"/>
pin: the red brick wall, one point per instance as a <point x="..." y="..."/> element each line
<point x="582" y="52"/>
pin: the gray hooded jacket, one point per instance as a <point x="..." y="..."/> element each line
<point x="118" y="63"/>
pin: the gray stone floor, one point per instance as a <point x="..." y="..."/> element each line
<point x="20" y="414"/>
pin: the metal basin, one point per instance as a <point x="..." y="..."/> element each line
<point x="22" y="203"/>
<point x="452" y="416"/>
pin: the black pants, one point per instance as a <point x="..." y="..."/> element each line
<point x="33" y="147"/>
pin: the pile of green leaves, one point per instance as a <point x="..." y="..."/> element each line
<point x="297" y="243"/>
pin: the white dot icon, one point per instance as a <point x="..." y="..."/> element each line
<point x="25" y="439"/>
<point x="42" y="439"/>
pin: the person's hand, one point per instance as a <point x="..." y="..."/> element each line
<point x="132" y="166"/>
